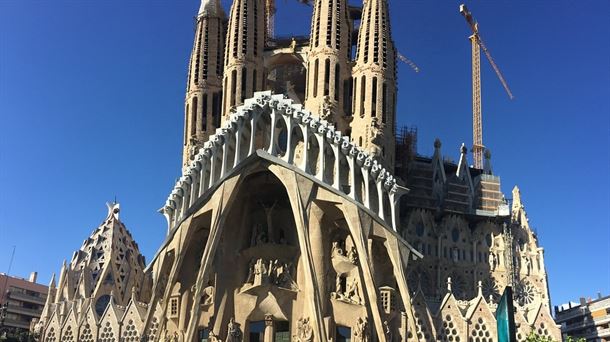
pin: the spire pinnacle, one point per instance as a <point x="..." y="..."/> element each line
<point x="113" y="209"/>
<point x="210" y="7"/>
<point x="52" y="282"/>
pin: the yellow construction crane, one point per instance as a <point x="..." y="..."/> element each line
<point x="477" y="124"/>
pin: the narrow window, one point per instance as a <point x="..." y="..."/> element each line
<point x="194" y="116"/>
<point x="374" y="98"/>
<point x="204" y="334"/>
<point x="337" y="81"/>
<point x="224" y="100"/>
<point x="204" y="113"/>
<point x="257" y="331"/>
<point x="362" y="93"/>
<point x="354" y="92"/>
<point x="344" y="334"/>
<point x="186" y="129"/>
<point x="326" y="77"/>
<point x="244" y="84"/>
<point x="216" y="109"/>
<point x="233" y="87"/>
<point x="173" y="307"/>
<point x="254" y="88"/>
<point x="384" y="102"/>
<point x="282" y="331"/>
<point x="315" y="78"/>
<point x="347" y="97"/>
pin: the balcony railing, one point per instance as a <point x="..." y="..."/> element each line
<point x="26" y="298"/>
<point x="24" y="311"/>
<point x="16" y="324"/>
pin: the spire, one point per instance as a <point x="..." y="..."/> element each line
<point x="480" y="288"/>
<point x="328" y="69"/>
<point x="375" y="83"/>
<point x="211" y="8"/>
<point x="449" y="284"/>
<point x="202" y="106"/>
<point x="244" y="68"/>
<point x="52" y="282"/>
<point x="517" y="199"/>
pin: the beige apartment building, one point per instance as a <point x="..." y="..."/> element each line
<point x="22" y="301"/>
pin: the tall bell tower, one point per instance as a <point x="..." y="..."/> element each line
<point x="202" y="104"/>
<point x="244" y="53"/>
<point x="328" y="68"/>
<point x="375" y="83"/>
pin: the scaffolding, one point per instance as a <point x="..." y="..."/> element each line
<point x="406" y="148"/>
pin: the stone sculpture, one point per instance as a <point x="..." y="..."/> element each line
<point x="304" y="331"/>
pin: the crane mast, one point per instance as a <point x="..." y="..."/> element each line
<point x="477" y="115"/>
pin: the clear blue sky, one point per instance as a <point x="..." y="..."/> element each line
<point x="91" y="107"/>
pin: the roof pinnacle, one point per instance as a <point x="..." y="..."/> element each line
<point x="113" y="209"/>
<point x="210" y="7"/>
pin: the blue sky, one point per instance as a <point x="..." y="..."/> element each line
<point x="91" y="101"/>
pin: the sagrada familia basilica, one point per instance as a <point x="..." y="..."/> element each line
<point x="294" y="218"/>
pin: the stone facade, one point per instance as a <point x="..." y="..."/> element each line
<point x="289" y="221"/>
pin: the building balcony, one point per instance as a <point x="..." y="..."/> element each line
<point x="26" y="298"/>
<point x="24" y="311"/>
<point x="17" y="324"/>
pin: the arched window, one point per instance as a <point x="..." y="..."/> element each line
<point x="326" y="77"/>
<point x="188" y="106"/>
<point x="362" y="94"/>
<point x="353" y="93"/>
<point x="216" y="109"/>
<point x="194" y="116"/>
<point x="244" y="84"/>
<point x="204" y="113"/>
<point x="374" y="98"/>
<point x="337" y="81"/>
<point x="315" y="78"/>
<point x="233" y="87"/>
<point x="384" y="102"/>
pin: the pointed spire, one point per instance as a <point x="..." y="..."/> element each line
<point x="437" y="145"/>
<point x="480" y="288"/>
<point x="463" y="161"/>
<point x="211" y="8"/>
<point x="52" y="282"/>
<point x="449" y="289"/>
<point x="134" y="292"/>
<point x="517" y="199"/>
